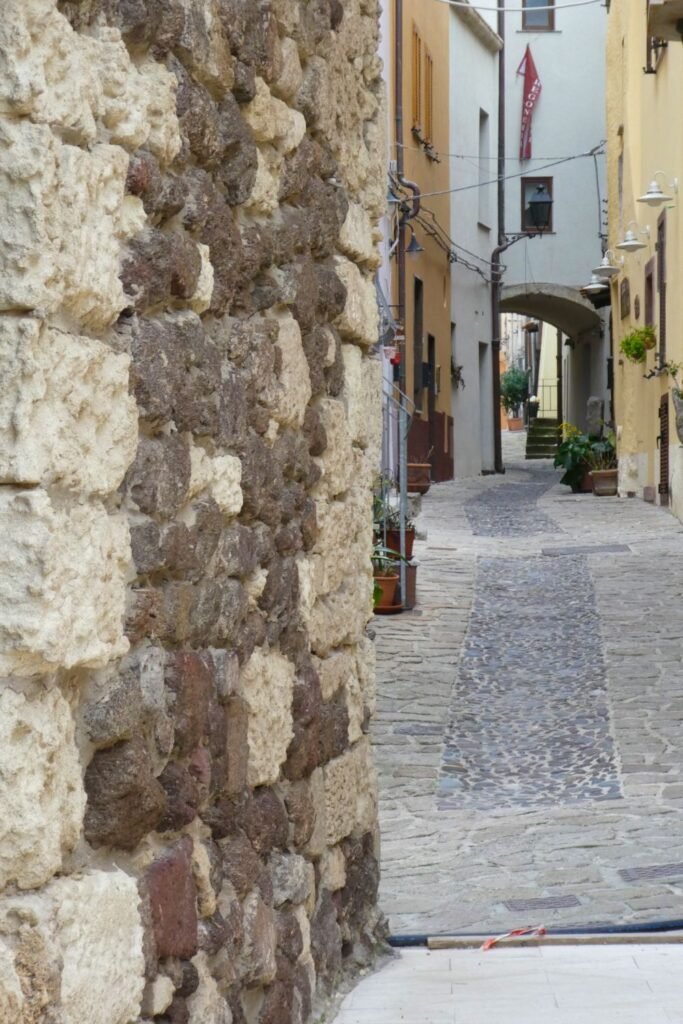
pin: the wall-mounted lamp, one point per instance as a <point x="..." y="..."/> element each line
<point x="540" y="208"/>
<point x="608" y="268"/>
<point x="630" y="242"/>
<point x="654" y="195"/>
<point x="595" y="285"/>
<point x="413" y="248"/>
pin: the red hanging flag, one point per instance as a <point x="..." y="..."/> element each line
<point x="532" y="90"/>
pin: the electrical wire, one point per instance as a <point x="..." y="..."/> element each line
<point x="520" y="10"/>
<point x="492" y="159"/>
<point x="596" y="151"/>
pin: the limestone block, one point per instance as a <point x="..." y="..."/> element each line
<point x="62" y="584"/>
<point x="291" y="75"/>
<point x="99" y="969"/>
<point x="357" y="238"/>
<point x="86" y="85"/>
<point x="264" y="196"/>
<point x="201" y="300"/>
<point x="158" y="996"/>
<point x="12" y="1004"/>
<point x="337" y="461"/>
<point x="206" y="1005"/>
<point x="342" y="526"/>
<point x="41" y="790"/>
<point x="335" y="671"/>
<point x="267" y="687"/>
<point x="273" y="121"/>
<point x="63" y="218"/>
<point x="366" y="662"/>
<point x="201" y="871"/>
<point x="220" y="476"/>
<point x="359" y="320"/>
<point x="66" y="416"/>
<point x="340" y="617"/>
<point x="333" y="869"/>
<point x="293" y="390"/>
<point x="350" y="793"/>
<point x="260" y="940"/>
<point x="363" y="397"/>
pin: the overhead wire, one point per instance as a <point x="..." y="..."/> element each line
<point x="520" y="10"/>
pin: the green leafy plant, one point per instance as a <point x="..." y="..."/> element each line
<point x="637" y="343"/>
<point x="393" y="519"/>
<point x="573" y="455"/>
<point x="603" y="453"/>
<point x="514" y="389"/>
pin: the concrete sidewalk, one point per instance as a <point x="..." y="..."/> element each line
<point x="582" y="984"/>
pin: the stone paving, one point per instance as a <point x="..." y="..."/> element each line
<point x="529" y="735"/>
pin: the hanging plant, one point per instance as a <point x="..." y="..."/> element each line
<point x="637" y="344"/>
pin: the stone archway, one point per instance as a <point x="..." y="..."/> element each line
<point x="583" y="364"/>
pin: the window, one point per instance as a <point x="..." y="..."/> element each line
<point x="650" y="292"/>
<point x="535" y="19"/>
<point x="529" y="187"/>
<point x="484" y="191"/>
<point x="429" y="98"/>
<point x="417" y="79"/>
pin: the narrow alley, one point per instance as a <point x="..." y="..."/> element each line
<point x="528" y="735"/>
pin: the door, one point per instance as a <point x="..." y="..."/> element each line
<point x="431" y="394"/>
<point x="418" y="321"/>
<point x="661" y="283"/>
<point x="663" y="440"/>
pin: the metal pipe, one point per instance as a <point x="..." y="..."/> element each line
<point x="496" y="272"/>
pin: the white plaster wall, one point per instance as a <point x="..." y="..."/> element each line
<point x="474" y="87"/>
<point x="569" y="118"/>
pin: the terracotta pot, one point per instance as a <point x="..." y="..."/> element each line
<point x="394" y="541"/>
<point x="585" y="484"/>
<point x="605" y="482"/>
<point x="419" y="477"/>
<point x="388" y="586"/>
<point x="678" y="409"/>
<point x="515" y="423"/>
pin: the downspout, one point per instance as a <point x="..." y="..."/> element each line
<point x="496" y="271"/>
<point x="401" y="253"/>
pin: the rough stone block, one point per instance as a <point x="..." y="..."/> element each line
<point x="62" y="593"/>
<point x="272" y="121"/>
<point x="260" y="934"/>
<point x="64" y="954"/>
<point x="206" y="1005"/>
<point x="359" y="320"/>
<point x="334" y="672"/>
<point x="125" y="800"/>
<point x="350" y="793"/>
<point x="170" y="886"/>
<point x="66" y="416"/>
<point x="291" y="878"/>
<point x="41" y="791"/>
<point x="267" y="687"/>
<point x="363" y="398"/>
<point x="357" y="239"/>
<point x="333" y="869"/>
<point x="337" y="463"/>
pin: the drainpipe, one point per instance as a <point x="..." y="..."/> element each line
<point x="496" y="270"/>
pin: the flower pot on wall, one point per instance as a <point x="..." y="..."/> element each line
<point x="605" y="482"/>
<point x="419" y="477"/>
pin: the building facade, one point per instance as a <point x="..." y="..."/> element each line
<point x="645" y="82"/>
<point x="544" y="275"/>
<point x="474" y="53"/>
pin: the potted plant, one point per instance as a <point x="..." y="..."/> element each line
<point x="573" y="455"/>
<point x="385" y="578"/>
<point x="514" y="391"/>
<point x="392" y="520"/>
<point x="637" y="343"/>
<point x="603" y="464"/>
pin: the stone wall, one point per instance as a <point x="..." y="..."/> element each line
<point x="188" y="433"/>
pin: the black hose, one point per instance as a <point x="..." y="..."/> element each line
<point x="647" y="927"/>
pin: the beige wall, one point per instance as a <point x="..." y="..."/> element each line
<point x="431" y="266"/>
<point x="644" y="136"/>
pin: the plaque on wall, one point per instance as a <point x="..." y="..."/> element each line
<point x="625" y="298"/>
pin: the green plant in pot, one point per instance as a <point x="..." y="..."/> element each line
<point x="603" y="465"/>
<point x="638" y="343"/>
<point x="573" y="455"/>
<point x="385" y="576"/>
<point x="673" y="370"/>
<point x="514" y="391"/>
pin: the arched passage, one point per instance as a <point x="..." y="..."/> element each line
<point x="582" y="361"/>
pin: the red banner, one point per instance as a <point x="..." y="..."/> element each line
<point x="532" y="90"/>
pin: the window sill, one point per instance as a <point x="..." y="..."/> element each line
<point x="539" y="31"/>
<point x="483" y="226"/>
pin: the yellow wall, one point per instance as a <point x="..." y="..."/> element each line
<point x="431" y="266"/>
<point x="644" y="129"/>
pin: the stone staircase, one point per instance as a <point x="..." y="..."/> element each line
<point x="542" y="439"/>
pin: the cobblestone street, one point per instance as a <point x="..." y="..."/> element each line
<point x="529" y="736"/>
